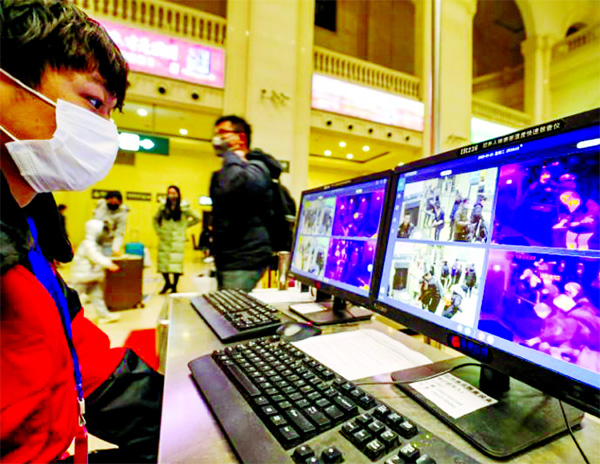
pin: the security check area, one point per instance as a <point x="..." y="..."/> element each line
<point x="520" y="370"/>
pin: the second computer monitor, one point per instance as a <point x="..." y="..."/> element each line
<point x="337" y="235"/>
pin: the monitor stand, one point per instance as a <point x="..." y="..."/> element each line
<point x="337" y="311"/>
<point x="523" y="417"/>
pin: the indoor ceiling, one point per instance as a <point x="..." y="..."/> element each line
<point x="165" y="121"/>
<point x="324" y="146"/>
<point x="328" y="145"/>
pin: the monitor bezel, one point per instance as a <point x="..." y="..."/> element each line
<point x="332" y="289"/>
<point x="570" y="390"/>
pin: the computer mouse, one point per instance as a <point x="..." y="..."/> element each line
<point x="296" y="331"/>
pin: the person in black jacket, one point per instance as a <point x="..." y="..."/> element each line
<point x="241" y="193"/>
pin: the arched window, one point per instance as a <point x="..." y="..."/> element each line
<point x="575" y="28"/>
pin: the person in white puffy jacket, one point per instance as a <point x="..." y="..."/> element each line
<point x="112" y="210"/>
<point x="87" y="270"/>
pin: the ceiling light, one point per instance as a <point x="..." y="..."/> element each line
<point x="366" y="148"/>
<point x="401" y="163"/>
<point x="183" y="131"/>
<point x="142" y="112"/>
<point x="342" y="144"/>
<point x="327" y="152"/>
<point x="349" y="156"/>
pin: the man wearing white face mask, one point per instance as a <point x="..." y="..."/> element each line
<point x="60" y="78"/>
<point x="241" y="192"/>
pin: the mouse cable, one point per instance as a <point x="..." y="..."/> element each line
<point x="452" y="369"/>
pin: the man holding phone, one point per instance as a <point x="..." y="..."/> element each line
<point x="241" y="193"/>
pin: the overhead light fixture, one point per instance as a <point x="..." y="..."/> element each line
<point x="349" y="156"/>
<point x="366" y="148"/>
<point x="142" y="112"/>
<point x="401" y="163"/>
<point x="327" y="152"/>
<point x="342" y="144"/>
<point x="183" y="131"/>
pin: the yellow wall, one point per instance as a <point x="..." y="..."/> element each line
<point x="189" y="166"/>
<point x="320" y="175"/>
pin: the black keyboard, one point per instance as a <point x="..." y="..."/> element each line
<point x="277" y="404"/>
<point x="233" y="315"/>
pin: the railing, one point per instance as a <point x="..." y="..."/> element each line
<point x="498" y="79"/>
<point x="164" y="17"/>
<point x="499" y="114"/>
<point x="590" y="34"/>
<point x="364" y="73"/>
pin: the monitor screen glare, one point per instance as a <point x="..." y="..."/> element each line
<point x="504" y="247"/>
<point x="337" y="234"/>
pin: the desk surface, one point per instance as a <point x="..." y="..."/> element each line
<point x="190" y="434"/>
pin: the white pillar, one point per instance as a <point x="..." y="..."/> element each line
<point x="423" y="66"/>
<point x="537" y="53"/>
<point x="269" y="74"/>
<point x="456" y="76"/>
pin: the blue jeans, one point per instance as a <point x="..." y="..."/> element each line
<point x="242" y="279"/>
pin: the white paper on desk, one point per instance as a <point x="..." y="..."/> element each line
<point x="361" y="353"/>
<point x="452" y="395"/>
<point x="282" y="296"/>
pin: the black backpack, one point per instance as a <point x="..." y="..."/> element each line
<point x="280" y="222"/>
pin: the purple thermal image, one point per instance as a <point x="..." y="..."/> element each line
<point x="549" y="303"/>
<point x="358" y="215"/>
<point x="351" y="262"/>
<point x="554" y="203"/>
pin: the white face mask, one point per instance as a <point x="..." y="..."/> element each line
<point x="219" y="145"/>
<point x="79" y="154"/>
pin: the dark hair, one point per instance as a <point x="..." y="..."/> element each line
<point x="239" y="124"/>
<point x="114" y="194"/>
<point x="37" y="34"/>
<point x="168" y="212"/>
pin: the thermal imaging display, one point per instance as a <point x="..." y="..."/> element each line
<point x="337" y="232"/>
<point x="503" y="245"/>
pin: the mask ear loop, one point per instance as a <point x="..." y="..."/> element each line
<point x="3" y="129"/>
<point x="29" y="89"/>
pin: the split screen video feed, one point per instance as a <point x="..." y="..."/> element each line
<point x="511" y="251"/>
<point x="337" y="236"/>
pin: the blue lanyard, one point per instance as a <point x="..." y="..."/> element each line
<point x="45" y="274"/>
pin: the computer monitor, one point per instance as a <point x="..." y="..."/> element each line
<point x="335" y="245"/>
<point x="494" y="250"/>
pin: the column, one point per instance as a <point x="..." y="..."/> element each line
<point x="537" y="54"/>
<point x="423" y="66"/>
<point x="456" y="74"/>
<point x="268" y="78"/>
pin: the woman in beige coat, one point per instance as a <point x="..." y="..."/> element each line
<point x="170" y="222"/>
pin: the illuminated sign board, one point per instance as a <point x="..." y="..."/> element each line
<point x="130" y="141"/>
<point x="341" y="97"/>
<point x="166" y="56"/>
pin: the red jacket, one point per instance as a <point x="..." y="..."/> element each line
<point x="38" y="417"/>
